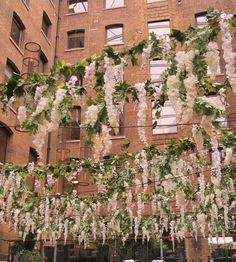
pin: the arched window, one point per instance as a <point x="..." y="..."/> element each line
<point x="5" y="134"/>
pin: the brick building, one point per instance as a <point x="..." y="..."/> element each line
<point x="72" y="30"/>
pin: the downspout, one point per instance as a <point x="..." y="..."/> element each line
<point x="54" y="62"/>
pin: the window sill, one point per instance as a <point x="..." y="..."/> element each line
<point x="163" y="134"/>
<point x="74" y="49"/>
<point x="24" y="3"/>
<point x="118" y="44"/>
<point x="73" y="141"/>
<point x="72" y="14"/>
<point x="48" y="41"/>
<point x="151" y="3"/>
<point x="117" y="137"/>
<point x="16" y="46"/>
<point x="112" y="8"/>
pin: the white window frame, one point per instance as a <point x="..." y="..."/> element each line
<point x="201" y="20"/>
<point x="168" y="118"/>
<point x="160" y="28"/>
<point x="157" y="67"/>
<point x="111" y="29"/>
<point x="110" y="4"/>
<point x="79" y="7"/>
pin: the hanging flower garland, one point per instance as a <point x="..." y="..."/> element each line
<point x="177" y="203"/>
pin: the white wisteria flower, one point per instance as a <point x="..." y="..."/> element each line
<point x="228" y="52"/>
<point x="141" y="115"/>
<point x="21" y="114"/>
<point x="213" y="58"/>
<point x="71" y="86"/>
<point x="110" y="81"/>
<point x="91" y="115"/>
<point x="90" y="71"/>
<point x="39" y="92"/>
<point x="145" y="56"/>
<point x="55" y="113"/>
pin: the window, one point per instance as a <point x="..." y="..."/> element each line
<point x="121" y="131"/>
<point x="33" y="156"/>
<point x="5" y="134"/>
<point x="78" y="6"/>
<point x="46" y="24"/>
<point x="10" y="70"/>
<point x="157" y="67"/>
<point x="17" y="28"/>
<point x="114" y="3"/>
<point x="76" y="39"/>
<point x="201" y="20"/>
<point x="153" y="1"/>
<point x="166" y="124"/>
<point x="74" y="131"/>
<point x="159" y="27"/>
<point x="114" y="34"/>
<point x="43" y="61"/>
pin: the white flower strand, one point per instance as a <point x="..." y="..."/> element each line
<point x="21" y="114"/>
<point x="141" y="115"/>
<point x="110" y="78"/>
<point x="228" y="52"/>
<point x="91" y="115"/>
<point x="90" y="71"/>
<point x="55" y="114"/>
<point x="145" y="56"/>
<point x="71" y="86"/>
<point x="213" y="59"/>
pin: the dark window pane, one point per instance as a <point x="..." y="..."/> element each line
<point x="10" y="69"/>
<point x="78" y="6"/>
<point x="74" y="131"/>
<point x="16" y="31"/>
<point x="76" y="39"/>
<point x="46" y="23"/>
<point x="4" y="137"/>
<point x="43" y="61"/>
<point x="33" y="156"/>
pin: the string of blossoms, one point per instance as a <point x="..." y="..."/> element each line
<point x="183" y="107"/>
<point x="51" y="207"/>
<point x="228" y="53"/>
<point x="113" y="75"/>
<point x="141" y="115"/>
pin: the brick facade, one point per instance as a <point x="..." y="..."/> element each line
<point x="134" y="16"/>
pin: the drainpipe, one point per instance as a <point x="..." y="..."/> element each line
<point x="55" y="60"/>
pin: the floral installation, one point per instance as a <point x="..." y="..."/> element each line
<point x="186" y="193"/>
<point x="141" y="115"/>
